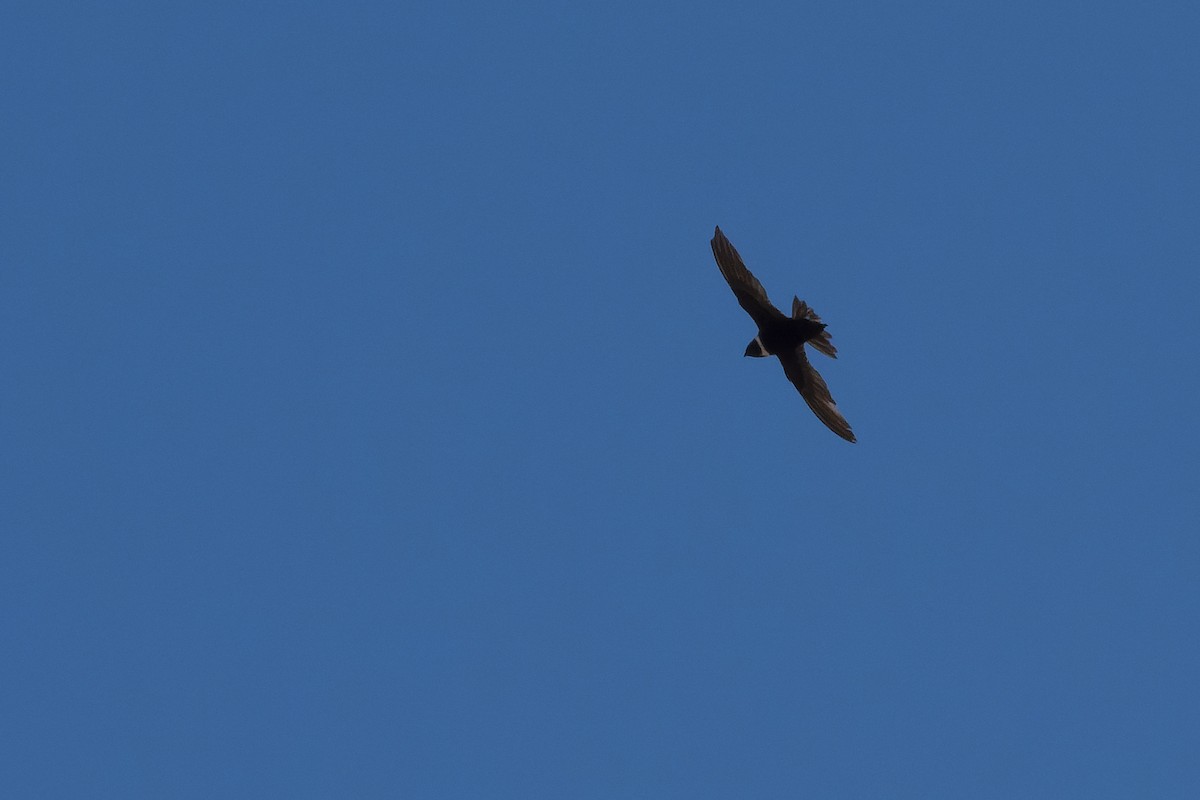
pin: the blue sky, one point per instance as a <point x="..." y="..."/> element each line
<point x="375" y="421"/>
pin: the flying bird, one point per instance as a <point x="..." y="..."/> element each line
<point x="783" y="337"/>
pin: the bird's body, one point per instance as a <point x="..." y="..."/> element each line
<point x="782" y="336"/>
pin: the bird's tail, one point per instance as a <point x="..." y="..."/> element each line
<point x="821" y="342"/>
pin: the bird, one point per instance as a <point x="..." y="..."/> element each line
<point x="782" y="336"/>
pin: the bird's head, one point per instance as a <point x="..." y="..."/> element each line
<point x="755" y="349"/>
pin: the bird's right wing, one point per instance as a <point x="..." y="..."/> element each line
<point x="749" y="292"/>
<point x="814" y="391"/>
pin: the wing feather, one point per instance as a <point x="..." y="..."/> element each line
<point x="815" y="392"/>
<point x="749" y="292"/>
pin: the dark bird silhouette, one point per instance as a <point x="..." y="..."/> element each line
<point x="783" y="337"/>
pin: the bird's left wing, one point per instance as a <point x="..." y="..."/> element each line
<point x="814" y="391"/>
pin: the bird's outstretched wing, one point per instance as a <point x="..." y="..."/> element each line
<point x="749" y="292"/>
<point x="814" y="391"/>
<point x="821" y="342"/>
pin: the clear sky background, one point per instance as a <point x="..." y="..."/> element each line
<point x="374" y="420"/>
